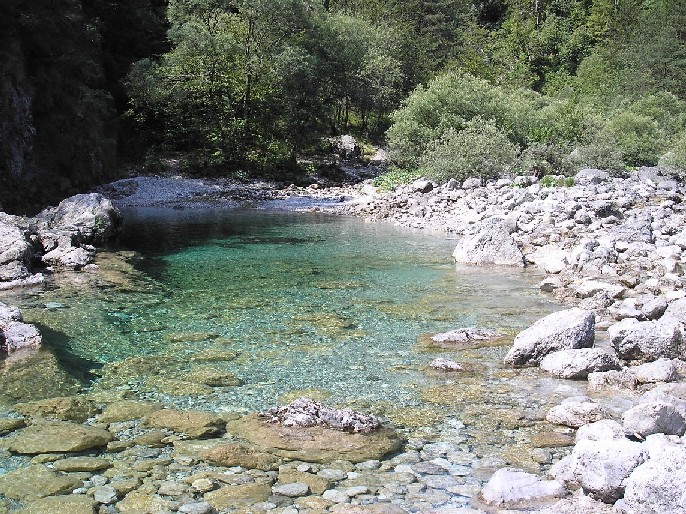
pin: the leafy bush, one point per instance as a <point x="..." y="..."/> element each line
<point x="601" y="152"/>
<point x="541" y="159"/>
<point x="395" y="177"/>
<point x="556" y="181"/>
<point x="639" y="137"/>
<point x="675" y="159"/>
<point x="479" y="150"/>
<point x="449" y="102"/>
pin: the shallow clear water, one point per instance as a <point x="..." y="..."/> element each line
<point x="287" y="303"/>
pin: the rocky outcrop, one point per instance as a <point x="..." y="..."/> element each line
<point x="568" y="329"/>
<point x="14" y="333"/>
<point x="59" y="237"/>
<point x="490" y="244"/>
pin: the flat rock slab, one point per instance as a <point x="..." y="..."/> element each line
<point x="194" y="424"/>
<point x="230" y="496"/>
<point x="35" y="482"/>
<point x="56" y="437"/>
<point x="66" y="408"/>
<point x="470" y="337"/>
<point x="77" y="464"/>
<point x="231" y="454"/>
<point x="315" y="444"/>
<point x="65" y="504"/>
<point x="126" y="410"/>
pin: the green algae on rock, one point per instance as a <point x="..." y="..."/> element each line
<point x="34" y="482"/>
<point x="65" y="408"/>
<point x="56" y="437"/>
<point x="126" y="410"/>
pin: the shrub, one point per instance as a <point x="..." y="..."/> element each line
<point x="675" y="159"/>
<point x="479" y="150"/>
<point x="639" y="137"/>
<point x="541" y="159"/>
<point x="556" y="181"/>
<point x="601" y="152"/>
<point x="395" y="177"/>
<point x="449" y="102"/>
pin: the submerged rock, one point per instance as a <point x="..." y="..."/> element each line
<point x="464" y="337"/>
<point x="65" y="408"/>
<point x="232" y="454"/>
<point x="56" y="437"/>
<point x="194" y="424"/>
<point x="63" y="504"/>
<point x="568" y="329"/>
<point x="315" y="443"/>
<point x="35" y="482"/>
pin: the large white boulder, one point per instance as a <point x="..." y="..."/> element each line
<point x="645" y="341"/>
<point x="600" y="468"/>
<point x="652" y="418"/>
<point x="576" y="411"/>
<point x="603" y="430"/>
<point x="658" y="486"/>
<point x="579" y="363"/>
<point x="491" y="244"/>
<point x="568" y="329"/>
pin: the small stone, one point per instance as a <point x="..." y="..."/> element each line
<point x="292" y="490"/>
<point x="171" y="488"/>
<point x="196" y="508"/>
<point x="334" y="475"/>
<point x="203" y="485"/>
<point x="105" y="494"/>
<point x="357" y="490"/>
<point x="335" y="496"/>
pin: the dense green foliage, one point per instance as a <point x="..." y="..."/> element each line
<point x="248" y="86"/>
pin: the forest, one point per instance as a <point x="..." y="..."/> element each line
<point x="246" y="88"/>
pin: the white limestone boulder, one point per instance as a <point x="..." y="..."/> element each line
<point x="568" y="329"/>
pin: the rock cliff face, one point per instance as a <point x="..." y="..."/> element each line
<point x="61" y="71"/>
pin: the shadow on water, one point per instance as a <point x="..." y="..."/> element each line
<point x="83" y="370"/>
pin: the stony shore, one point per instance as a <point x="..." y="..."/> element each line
<point x="612" y="249"/>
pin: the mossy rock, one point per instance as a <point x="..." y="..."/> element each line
<point x="65" y="504"/>
<point x="232" y="454"/>
<point x="231" y="496"/>
<point x="35" y="482"/>
<point x="65" y="408"/>
<point x="79" y="464"/>
<point x="56" y="437"/>
<point x="8" y="425"/>
<point x="126" y="410"/>
<point x="213" y="377"/>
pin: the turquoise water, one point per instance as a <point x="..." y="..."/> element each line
<point x="239" y="310"/>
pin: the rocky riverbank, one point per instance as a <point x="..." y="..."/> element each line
<point x="612" y="249"/>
